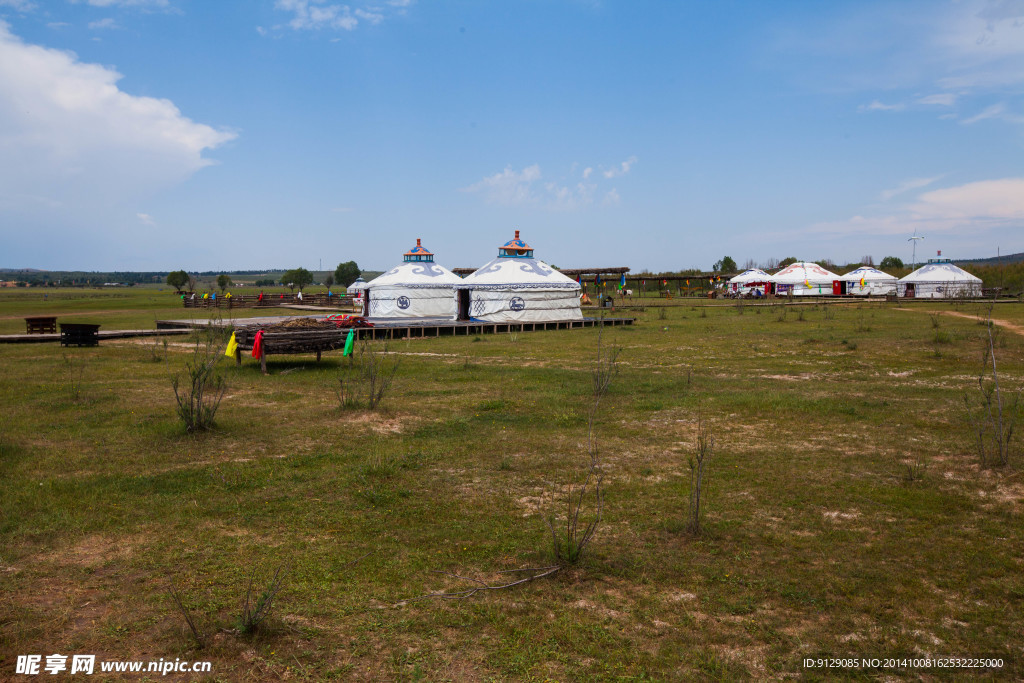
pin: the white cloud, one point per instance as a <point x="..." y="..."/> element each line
<point x="146" y="219"/>
<point x="316" y="14"/>
<point x="18" y="5"/>
<point x="969" y="208"/>
<point x="372" y="17"/>
<point x="879" y="106"/>
<point x="509" y="187"/>
<point x="612" y="198"/>
<point x="529" y="188"/>
<point x="127" y="3"/>
<point x="984" y="200"/>
<point x="908" y="185"/>
<point x="995" y="111"/>
<point x="70" y="138"/>
<point x="622" y="168"/>
<point x="103" y="24"/>
<point x="946" y="99"/>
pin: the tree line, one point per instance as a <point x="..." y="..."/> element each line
<point x="296" y="278"/>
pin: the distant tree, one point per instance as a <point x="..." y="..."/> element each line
<point x="297" y="277"/>
<point x="868" y="260"/>
<point x="346" y="273"/>
<point x="788" y="261"/>
<point x="177" y="279"/>
<point x="726" y="265"/>
<point x="267" y="282"/>
<point x="191" y="283"/>
<point x="891" y="262"/>
<point x="328" y="281"/>
<point x="223" y="281"/>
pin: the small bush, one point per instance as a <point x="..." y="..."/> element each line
<point x="942" y="337"/>
<point x="256" y="607"/>
<point x="74" y="371"/>
<point x="376" y="371"/>
<point x="704" y="450"/>
<point x="200" y="394"/>
<point x="913" y="469"/>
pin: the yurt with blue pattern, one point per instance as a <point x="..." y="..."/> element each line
<point x="415" y="288"/>
<point x="939" y="279"/>
<point x="516" y="287"/>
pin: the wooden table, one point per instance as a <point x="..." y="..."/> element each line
<point x="40" y="325"/>
<point x="79" y="334"/>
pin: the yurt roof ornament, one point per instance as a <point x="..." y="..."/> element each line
<point x="515" y="248"/>
<point x="419" y="253"/>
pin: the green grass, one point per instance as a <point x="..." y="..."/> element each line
<point x="816" y="542"/>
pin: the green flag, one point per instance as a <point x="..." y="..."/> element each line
<point x="350" y="341"/>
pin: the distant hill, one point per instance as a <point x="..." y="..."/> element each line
<point x="993" y="261"/>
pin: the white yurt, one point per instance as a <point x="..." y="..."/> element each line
<point x="804" y="279"/>
<point x="416" y="288"/>
<point x="516" y="287"/>
<point x="868" y="281"/>
<point x="356" y="288"/>
<point x="939" y="279"/>
<point x="749" y="280"/>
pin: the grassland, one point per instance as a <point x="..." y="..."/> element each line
<point x="816" y="542"/>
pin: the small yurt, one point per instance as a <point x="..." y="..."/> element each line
<point x="868" y="281"/>
<point x="939" y="279"/>
<point x="516" y="287"/>
<point x="416" y="288"/>
<point x="804" y="279"/>
<point x="356" y="288"/>
<point x="749" y="281"/>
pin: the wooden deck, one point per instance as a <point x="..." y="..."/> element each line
<point x="102" y="334"/>
<point x="391" y="328"/>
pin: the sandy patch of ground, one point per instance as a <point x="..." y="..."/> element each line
<point x="1006" y="324"/>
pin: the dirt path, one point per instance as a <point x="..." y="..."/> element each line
<point x="1012" y="327"/>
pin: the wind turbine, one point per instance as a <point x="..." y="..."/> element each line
<point x="914" y="239"/>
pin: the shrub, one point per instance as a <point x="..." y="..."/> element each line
<point x="200" y="394"/>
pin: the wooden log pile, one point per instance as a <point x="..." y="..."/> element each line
<point x="299" y="335"/>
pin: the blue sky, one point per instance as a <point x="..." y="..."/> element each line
<point x="165" y="134"/>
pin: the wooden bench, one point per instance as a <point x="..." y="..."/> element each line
<point x="40" y="325"/>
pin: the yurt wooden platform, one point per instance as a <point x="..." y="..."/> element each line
<point x="401" y="328"/>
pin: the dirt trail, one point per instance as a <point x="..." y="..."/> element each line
<point x="1012" y="327"/>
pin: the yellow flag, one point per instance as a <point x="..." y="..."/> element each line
<point x="808" y="283"/>
<point x="232" y="347"/>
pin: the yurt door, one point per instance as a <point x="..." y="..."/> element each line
<point x="463" y="304"/>
<point x="837" y="288"/>
<point x="909" y="294"/>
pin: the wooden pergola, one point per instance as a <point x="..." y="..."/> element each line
<point x="570" y="272"/>
<point x="639" y="283"/>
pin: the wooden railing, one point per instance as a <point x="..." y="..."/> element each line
<point x="255" y="300"/>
